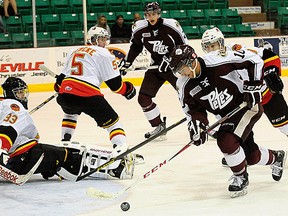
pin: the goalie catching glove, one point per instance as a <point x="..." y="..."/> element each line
<point x="124" y="66"/>
<point x="252" y="93"/>
<point x="197" y="134"/>
<point x="273" y="80"/>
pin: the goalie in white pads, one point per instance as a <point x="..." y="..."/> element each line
<point x="20" y="149"/>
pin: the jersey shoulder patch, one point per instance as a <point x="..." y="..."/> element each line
<point x="171" y="22"/>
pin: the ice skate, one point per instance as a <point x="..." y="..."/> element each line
<point x="278" y="165"/>
<point x="125" y="170"/>
<point x="158" y="129"/>
<point x="239" y="184"/>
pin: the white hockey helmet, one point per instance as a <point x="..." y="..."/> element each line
<point x="211" y="36"/>
<point x="97" y="32"/>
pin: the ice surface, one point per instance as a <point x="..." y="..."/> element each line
<point x="193" y="183"/>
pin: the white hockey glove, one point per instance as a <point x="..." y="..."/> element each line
<point x="273" y="80"/>
<point x="252" y="93"/>
<point x="124" y="66"/>
<point x="164" y="65"/>
<point x="197" y="134"/>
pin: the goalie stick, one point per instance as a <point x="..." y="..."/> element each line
<point x="95" y="193"/>
<point x="19" y="179"/>
<point x="112" y="160"/>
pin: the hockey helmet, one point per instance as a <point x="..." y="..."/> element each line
<point x="265" y="44"/>
<point x="15" y="88"/>
<point x="211" y="36"/>
<point x="152" y="7"/>
<point x="182" y="55"/>
<point x="97" y="32"/>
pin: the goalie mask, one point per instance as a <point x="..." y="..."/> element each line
<point x="16" y="88"/>
<point x="180" y="56"/>
<point x="213" y="39"/>
<point x="96" y="35"/>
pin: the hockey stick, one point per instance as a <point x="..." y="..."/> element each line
<point x="19" y="179"/>
<point x="43" y="103"/>
<point x="47" y="70"/>
<point x="93" y="192"/>
<point x="112" y="160"/>
<point x="51" y="73"/>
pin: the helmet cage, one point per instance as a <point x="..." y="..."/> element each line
<point x="15" y="88"/>
<point x="95" y="33"/>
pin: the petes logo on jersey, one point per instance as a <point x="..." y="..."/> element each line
<point x="159" y="47"/>
<point x="218" y="100"/>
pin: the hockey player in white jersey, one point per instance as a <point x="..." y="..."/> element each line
<point x="20" y="149"/>
<point x="79" y="84"/>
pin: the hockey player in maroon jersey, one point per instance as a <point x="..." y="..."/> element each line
<point x="20" y="147"/>
<point x="214" y="85"/>
<point x="159" y="36"/>
<point x="213" y="40"/>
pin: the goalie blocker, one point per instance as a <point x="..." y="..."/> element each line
<point x="69" y="160"/>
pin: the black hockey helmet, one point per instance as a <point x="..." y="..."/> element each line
<point x="153" y="6"/>
<point x="182" y="55"/>
<point x="15" y="88"/>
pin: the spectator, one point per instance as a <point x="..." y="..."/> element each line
<point x="7" y="4"/>
<point x="120" y="31"/>
<point x="137" y="17"/>
<point x="102" y="22"/>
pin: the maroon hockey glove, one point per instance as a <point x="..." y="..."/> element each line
<point x="252" y="93"/>
<point x="197" y="134"/>
<point x="130" y="90"/>
<point x="273" y="80"/>
<point x="123" y="67"/>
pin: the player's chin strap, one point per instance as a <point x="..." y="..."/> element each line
<point x="112" y="160"/>
<point x="93" y="192"/>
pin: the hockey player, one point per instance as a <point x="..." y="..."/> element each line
<point x="214" y="85"/>
<point x="213" y="40"/>
<point x="79" y="88"/>
<point x="20" y="149"/>
<point x="159" y="36"/>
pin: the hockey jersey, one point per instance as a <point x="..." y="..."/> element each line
<point x="158" y="39"/>
<point x="219" y="87"/>
<point x="85" y="70"/>
<point x="23" y="133"/>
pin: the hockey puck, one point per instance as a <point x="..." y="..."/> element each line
<point x="125" y="206"/>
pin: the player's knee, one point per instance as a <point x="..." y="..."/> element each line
<point x="144" y="100"/>
<point x="227" y="142"/>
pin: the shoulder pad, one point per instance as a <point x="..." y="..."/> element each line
<point x="139" y="25"/>
<point x="171" y="22"/>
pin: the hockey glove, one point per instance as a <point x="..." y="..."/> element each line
<point x="130" y="91"/>
<point x="252" y="93"/>
<point x="273" y="80"/>
<point x="164" y="65"/>
<point x="197" y="134"/>
<point x="58" y="82"/>
<point x="123" y="67"/>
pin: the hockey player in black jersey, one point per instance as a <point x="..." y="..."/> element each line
<point x="159" y="36"/>
<point x="214" y="85"/>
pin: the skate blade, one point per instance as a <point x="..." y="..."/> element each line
<point x="234" y="194"/>
<point x="161" y="138"/>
